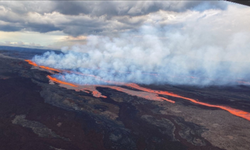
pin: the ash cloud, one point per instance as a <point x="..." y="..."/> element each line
<point x="198" y="48"/>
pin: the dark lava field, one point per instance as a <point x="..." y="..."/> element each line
<point x="36" y="115"/>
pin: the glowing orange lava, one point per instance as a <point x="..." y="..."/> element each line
<point x="233" y="111"/>
<point x="48" y="68"/>
<point x="43" y="67"/>
<point x="61" y="82"/>
<point x="144" y="92"/>
<point x="31" y="63"/>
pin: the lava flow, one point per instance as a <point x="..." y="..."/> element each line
<point x="61" y="82"/>
<point x="31" y="63"/>
<point x="43" y="67"/>
<point x="143" y="92"/>
<point x="233" y="111"/>
<point x="96" y="93"/>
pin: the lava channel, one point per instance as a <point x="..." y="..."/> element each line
<point x="144" y="92"/>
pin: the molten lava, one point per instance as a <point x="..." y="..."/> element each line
<point x="233" y="111"/>
<point x="143" y="92"/>
<point x="48" y="68"/>
<point x="31" y="63"/>
<point x="61" y="82"/>
<point x="43" y="67"/>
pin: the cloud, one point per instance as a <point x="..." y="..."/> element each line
<point x="132" y="8"/>
<point x="82" y="18"/>
<point x="9" y="27"/>
<point x="42" y="28"/>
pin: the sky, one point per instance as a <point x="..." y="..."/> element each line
<point x="56" y="24"/>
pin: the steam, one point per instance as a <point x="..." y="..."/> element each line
<point x="194" y="48"/>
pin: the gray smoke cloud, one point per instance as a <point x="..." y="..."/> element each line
<point x="196" y="48"/>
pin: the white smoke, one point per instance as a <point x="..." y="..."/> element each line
<point x="197" y="48"/>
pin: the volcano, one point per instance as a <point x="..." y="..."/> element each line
<point x="41" y="111"/>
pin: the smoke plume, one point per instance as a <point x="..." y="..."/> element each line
<point x="195" y="48"/>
